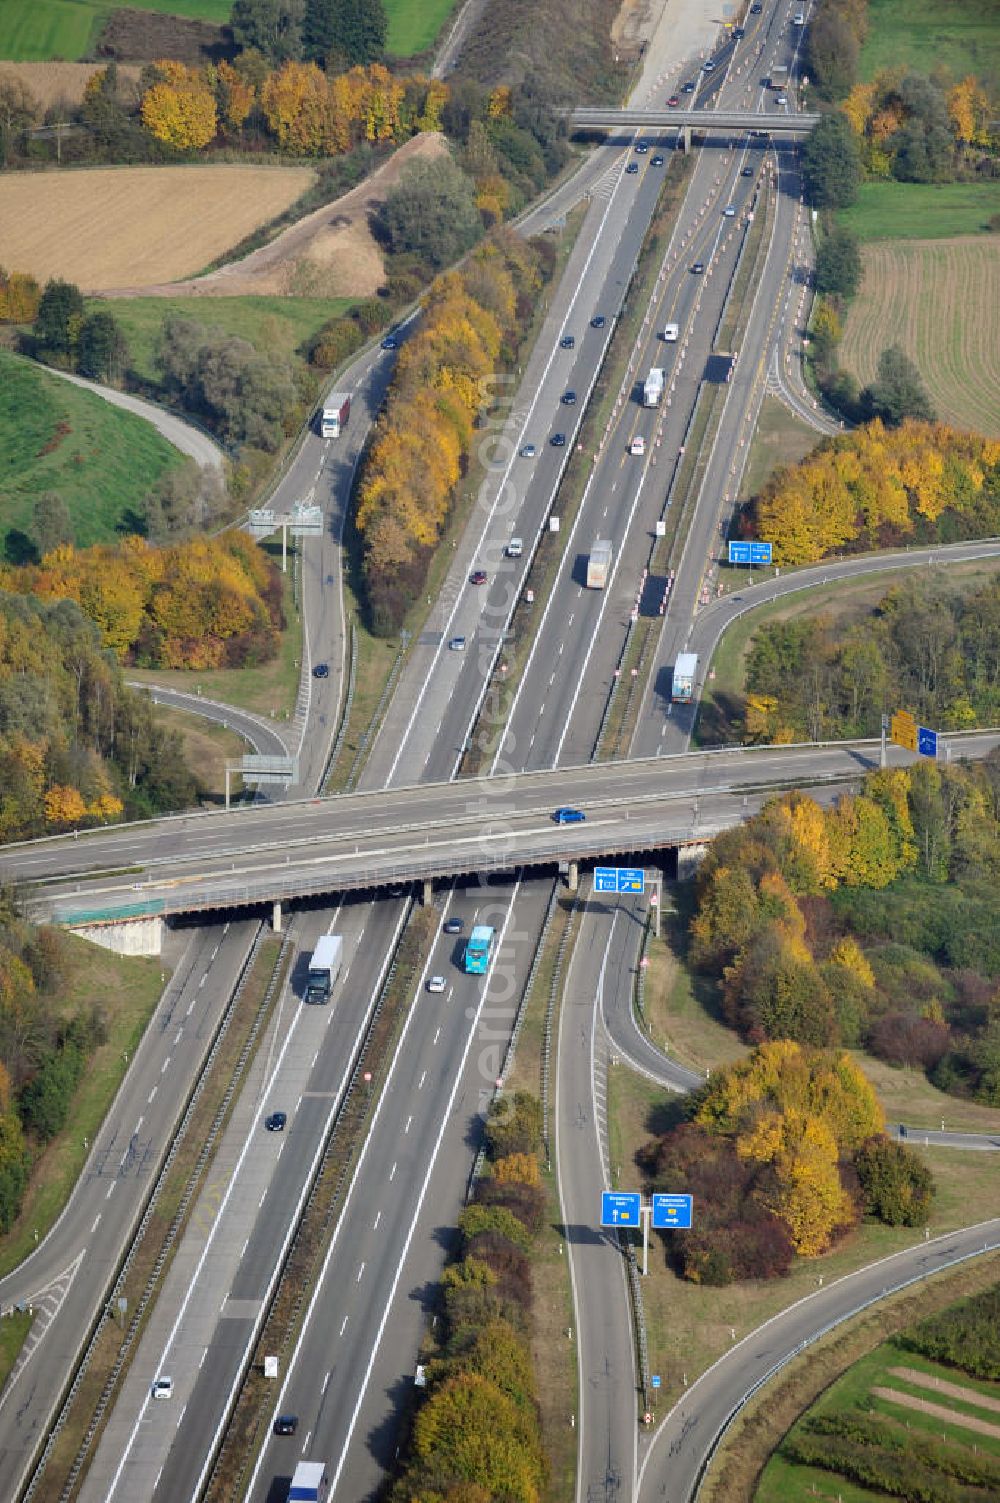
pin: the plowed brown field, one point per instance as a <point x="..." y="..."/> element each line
<point x="113" y="226"/>
<point x="940" y="301"/>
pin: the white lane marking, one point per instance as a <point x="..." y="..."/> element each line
<point x="190" y="1008"/>
<point x="392" y="1174"/>
<point x="343" y="1328"/>
<point x="422" y="1079"/>
<point x="408" y="1122"/>
<point x="375" y="1223"/>
<point x="437" y="1035"/>
<point x="149" y="1098"/>
<point x="177" y="1035"/>
<point x="326" y="1380"/>
<point x="201" y="983"/>
<point x="361" y="1271"/>
<point x="111" y="1190"/>
<point x="165" y="1064"/>
<point x="97" y="1222"/>
<point x="203" y="1356"/>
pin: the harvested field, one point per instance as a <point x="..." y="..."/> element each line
<point x="940" y="301"/>
<point x="60" y="83"/>
<point x="330" y="253"/>
<point x="103" y="227"/>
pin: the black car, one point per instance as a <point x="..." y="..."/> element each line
<point x="697" y="267"/>
<point x="558" y="440"/>
<point x="689" y="87"/>
<point x="747" y="172"/>
<point x="598" y="321"/>
<point x="286" y="1424"/>
<point x="454" y="925"/>
<point x="632" y="167"/>
<point x="657" y="161"/>
<point x="568" y="398"/>
<point x="390" y="342"/>
<point x="276" y="1121"/>
<point x="641" y="147"/>
<point x="321" y="671"/>
<point x="738" y="32"/>
<point x="756" y="9"/>
<point x="568" y="342"/>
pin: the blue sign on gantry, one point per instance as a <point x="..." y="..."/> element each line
<point x="749" y="553"/>
<point x="927" y="742"/>
<point x="619" y="879"/>
<point x="620" y="1208"/>
<point x="672" y="1211"/>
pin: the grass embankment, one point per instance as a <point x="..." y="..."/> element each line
<point x="847" y="601"/>
<point x="780" y="439"/>
<point x="937" y="300"/>
<point x="921" y="211"/>
<point x="106" y="1350"/>
<point x="961" y="36"/>
<point x="277" y="325"/>
<point x="414" y="25"/>
<point x="207" y="747"/>
<point x="126" y="989"/>
<point x="55" y="437"/>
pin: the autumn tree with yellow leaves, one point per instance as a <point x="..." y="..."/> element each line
<point x="179" y="108"/>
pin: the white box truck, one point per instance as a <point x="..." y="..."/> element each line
<point x="324" y="967"/>
<point x="685" y="673"/>
<point x="652" y="389"/>
<point x="336" y="411"/>
<point x="310" y="1483"/>
<point x="599" y="564"/>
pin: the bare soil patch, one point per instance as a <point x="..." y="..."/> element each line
<point x="142" y="36"/>
<point x="101" y="226"/>
<point x="60" y="83"/>
<point x="330" y="253"/>
<point x="938" y="1411"/>
<point x="941" y="1385"/>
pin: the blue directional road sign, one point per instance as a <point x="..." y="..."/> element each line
<point x="620" y="1209"/>
<point x="672" y="1211"/>
<point x="926" y="741"/>
<point x="749" y="553"/>
<point x="655" y="1381"/>
<point x="619" y="879"/>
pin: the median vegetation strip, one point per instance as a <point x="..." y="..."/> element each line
<point x="248" y="1426"/>
<point x="147" y="1261"/>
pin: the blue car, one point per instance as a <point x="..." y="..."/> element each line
<point x="567" y="816"/>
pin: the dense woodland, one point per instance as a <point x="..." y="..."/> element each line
<point x="476" y="1430"/>
<point x="879" y="487"/>
<point x="873" y="924"/>
<point x="925" y="646"/>
<point x="205" y="603"/>
<point x="784" y="1153"/>
<point x="76" y="746"/>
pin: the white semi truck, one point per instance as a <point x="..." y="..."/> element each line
<point x="599" y="564"/>
<point x="652" y="387"/>
<point x="310" y="1483"/>
<point x="336" y="411"/>
<point x="685" y="673"/>
<point x="324" y="967"/>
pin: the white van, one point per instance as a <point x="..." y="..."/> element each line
<point x="515" y="548"/>
<point x="799" y="18"/>
<point x="671" y="333"/>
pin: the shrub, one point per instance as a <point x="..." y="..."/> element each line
<point x="897" y="1186"/>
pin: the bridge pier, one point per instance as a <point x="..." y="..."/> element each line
<point x="573" y="876"/>
<point x="276" y="918"/>
<point x="689" y="858"/>
<point x="684" y="135"/>
<point x="427" y="893"/>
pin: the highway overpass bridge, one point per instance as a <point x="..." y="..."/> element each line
<point x="701" y="122"/>
<point x="265" y="855"/>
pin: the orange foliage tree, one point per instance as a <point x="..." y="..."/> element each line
<point x="179" y="108"/>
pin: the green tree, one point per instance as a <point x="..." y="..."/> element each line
<point x="898" y="390"/>
<point x="60" y="317"/>
<point x="18" y="109"/>
<point x="832" y="50"/>
<point x="898" y="1187"/>
<point x="831" y="163"/>
<point x="433" y="213"/>
<point x="343" y="33"/>
<point x="104" y="352"/>
<point x="51" y="523"/>
<point x="271" y="27"/>
<point x="838" y="264"/>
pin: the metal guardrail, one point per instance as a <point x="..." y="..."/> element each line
<point x="554" y="989"/>
<point x="135" y="1240"/>
<point x="345" y="714"/>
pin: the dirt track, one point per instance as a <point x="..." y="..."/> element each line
<point x="329" y="253"/>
